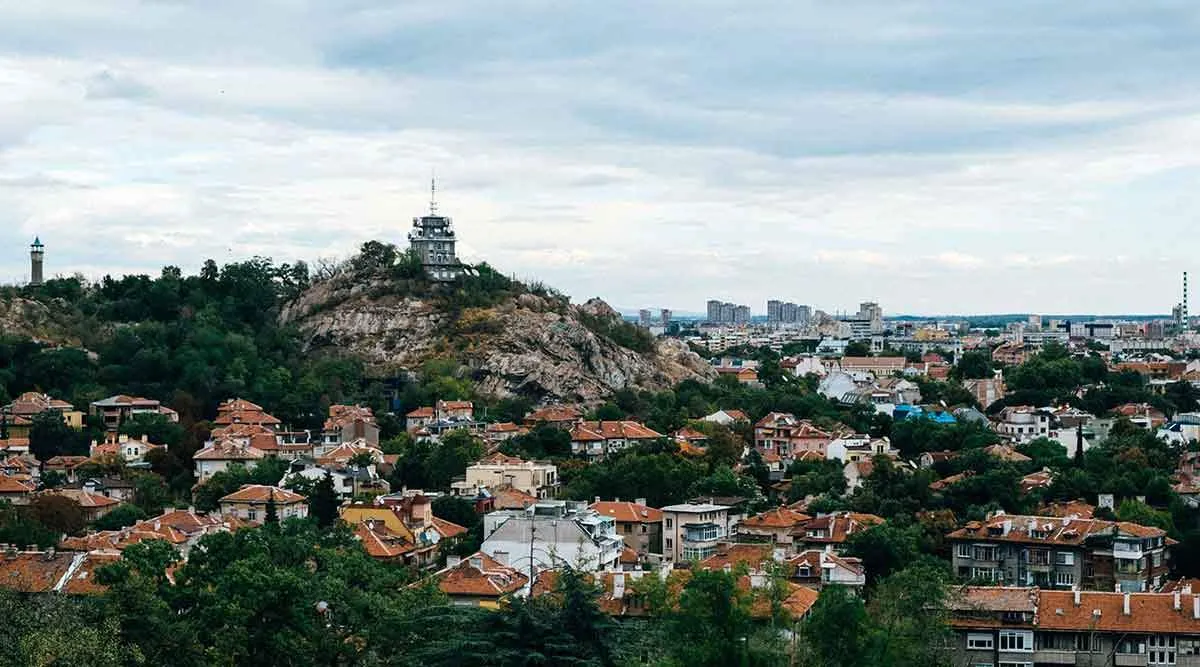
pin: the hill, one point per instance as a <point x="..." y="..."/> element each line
<point x="508" y="338"/>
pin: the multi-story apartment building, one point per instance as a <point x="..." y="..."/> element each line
<point x="1010" y="627"/>
<point x="537" y="478"/>
<point x="1061" y="552"/>
<point x="1023" y="423"/>
<point x="116" y="410"/>
<point x="637" y="523"/>
<point x="550" y="534"/>
<point x="781" y="434"/>
<point x="720" y="312"/>
<point x="691" y="531"/>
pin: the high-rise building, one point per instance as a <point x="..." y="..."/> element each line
<point x="723" y="312"/>
<point x="786" y="312"/>
<point x="714" y="311"/>
<point x="741" y="314"/>
<point x="37" y="253"/>
<point x="774" y="311"/>
<point x="644" y="317"/>
<point x="871" y="312"/>
<point x="665" y="317"/>
<point x="432" y="239"/>
<point x="1035" y="322"/>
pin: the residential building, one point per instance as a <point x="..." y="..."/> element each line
<point x="727" y="313"/>
<point x="116" y="410"/>
<point x="879" y="367"/>
<point x="782" y="434"/>
<point x="498" y="432"/>
<point x="19" y="414"/>
<point x="419" y="418"/>
<point x="16" y="491"/>
<point x="691" y="531"/>
<point x="639" y="525"/>
<point x="854" y="447"/>
<point x="1010" y="354"/>
<point x="120" y="490"/>
<point x="727" y="417"/>
<point x="549" y="534"/>
<point x="401" y="528"/>
<point x="348" y="423"/>
<point x="93" y="505"/>
<point x="50" y="571"/>
<point x="1028" y="626"/>
<point x="772" y="526"/>
<point x="813" y="569"/>
<point x="348" y="480"/>
<point x="986" y="391"/>
<point x="132" y="451"/>
<point x="182" y="529"/>
<point x="240" y="411"/>
<point x="1061" y="552"/>
<point x="561" y="416"/>
<point x="219" y="455"/>
<point x="536" y="478"/>
<point x="454" y="411"/>
<point x="479" y="581"/>
<point x="829" y="532"/>
<point x="1023" y="423"/>
<point x="250" y="502"/>
<point x="598" y="439"/>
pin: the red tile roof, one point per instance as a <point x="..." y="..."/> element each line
<point x="612" y="430"/>
<point x="836" y="527"/>
<point x="480" y="575"/>
<point x="1057" y="530"/>
<point x="780" y="517"/>
<point x="554" y="414"/>
<point x="420" y="412"/>
<point x="227" y="450"/>
<point x="626" y="512"/>
<point x="11" y="486"/>
<point x="262" y="493"/>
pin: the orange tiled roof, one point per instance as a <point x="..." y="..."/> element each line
<point x="448" y="529"/>
<point x="500" y="459"/>
<point x="340" y="415"/>
<point x="837" y="527"/>
<point x="689" y="433"/>
<point x="348" y="450"/>
<point x="83" y="580"/>
<point x="421" y="412"/>
<point x="227" y="450"/>
<point x="751" y="555"/>
<point x="627" y="512"/>
<point x="84" y="498"/>
<point x="455" y="405"/>
<point x="262" y="493"/>
<point x="11" y="486"/>
<point x="238" y="405"/>
<point x="245" y="417"/>
<point x="480" y="575"/>
<point x="380" y="542"/>
<point x="612" y="430"/>
<point x="1070" y="531"/>
<point x="554" y="414"/>
<point x="780" y="517"/>
<point x="1006" y="453"/>
<point x="240" y="431"/>
<point x="34" y="572"/>
<point x="512" y="499"/>
<point x="15" y="443"/>
<point x="1149" y="612"/>
<point x="1075" y="508"/>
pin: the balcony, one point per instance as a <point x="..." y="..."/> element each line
<point x="1121" y="659"/>
<point x="1054" y="657"/>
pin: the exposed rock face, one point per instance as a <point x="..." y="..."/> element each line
<point x="32" y="319"/>
<point x="527" y="345"/>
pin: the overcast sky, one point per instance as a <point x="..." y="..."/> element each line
<point x="938" y="157"/>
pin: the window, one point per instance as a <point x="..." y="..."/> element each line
<point x="669" y="523"/>
<point x="1064" y="578"/>
<point x="1064" y="558"/>
<point x="669" y="543"/>
<point x="1016" y="640"/>
<point x="987" y="553"/>
<point x="964" y="550"/>
<point x="1161" y="650"/>
<point x="643" y="529"/>
<point x="980" y="641"/>
<point x="251" y="514"/>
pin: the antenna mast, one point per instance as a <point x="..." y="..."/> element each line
<point x="1183" y="307"/>
<point x="432" y="195"/>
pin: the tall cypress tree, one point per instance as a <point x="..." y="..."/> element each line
<point x="323" y="501"/>
<point x="272" y="511"/>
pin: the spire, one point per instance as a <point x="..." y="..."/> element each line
<point x="432" y="195"/>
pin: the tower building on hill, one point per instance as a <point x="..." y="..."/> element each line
<point x="432" y="239"/>
<point x="37" y="254"/>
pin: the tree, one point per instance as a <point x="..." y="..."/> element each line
<point x="49" y="436"/>
<point x="1046" y="453"/>
<point x="885" y="549"/>
<point x="712" y="624"/>
<point x="323" y="502"/>
<point x="974" y="365"/>
<point x="58" y="513"/>
<point x="858" y="348"/>
<point x="156" y="428"/>
<point x="724" y="448"/>
<point x="121" y="516"/>
<point x="836" y="630"/>
<point x="455" y="510"/>
<point x="272" y="514"/>
<point x="451" y="456"/>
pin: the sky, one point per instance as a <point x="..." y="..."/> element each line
<point x="934" y="156"/>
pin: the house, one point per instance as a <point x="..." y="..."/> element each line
<point x="772" y="526"/>
<point x="455" y="410"/>
<point x="93" y="505"/>
<point x="419" y="419"/>
<point x="805" y="365"/>
<point x="536" y="478"/>
<point x="1006" y="453"/>
<point x="65" y="465"/>
<point x="349" y="481"/>
<point x="559" y="416"/>
<point x="859" y="447"/>
<point x="986" y="391"/>
<point x="744" y="375"/>
<point x="1023" y="423"/>
<point x="19" y="414"/>
<point x="1061" y="552"/>
<point x="354" y="451"/>
<point x="14" y="445"/>
<point x="51" y="571"/>
<point x="639" y="525"/>
<point x="1032" y="626"/>
<point x="691" y="437"/>
<point x="348" y="423"/>
<point x="727" y="417"/>
<point x="597" y="439"/>
<point x="401" y="528"/>
<point x="479" y="580"/>
<point x="1010" y="354"/>
<point x="830" y="532"/>
<point x="691" y="531"/>
<point x="550" y="534"/>
<point x="120" y="490"/>
<point x="219" y="455"/>
<point x="250" y="502"/>
<point x="1041" y="479"/>
<point x="239" y="411"/>
<point x="132" y="451"/>
<point x="16" y="491"/>
<point x="498" y="432"/>
<point x="856" y="473"/>
<point x="817" y="568"/>
<point x="782" y="434"/>
<point x="879" y="367"/>
<point x="1142" y="414"/>
<point x="930" y="459"/>
<point x="512" y="499"/>
<point x="947" y="482"/>
<point x="116" y="410"/>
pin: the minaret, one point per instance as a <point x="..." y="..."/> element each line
<point x="37" y="253"/>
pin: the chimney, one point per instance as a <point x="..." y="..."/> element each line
<point x="640" y="501"/>
<point x="477" y="563"/>
<point x="595" y="500"/>
<point x="1125" y="605"/>
<point x="1196" y="607"/>
<point x="1178" y="601"/>
<point x="1077" y="603"/>
<point x="452" y="561"/>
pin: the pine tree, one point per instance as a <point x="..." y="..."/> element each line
<point x="272" y="511"/>
<point x="323" y="502"/>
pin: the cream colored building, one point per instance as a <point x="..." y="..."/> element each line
<point x="536" y="478"/>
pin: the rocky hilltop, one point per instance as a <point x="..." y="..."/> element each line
<point x="26" y="318"/>
<point x="510" y="341"/>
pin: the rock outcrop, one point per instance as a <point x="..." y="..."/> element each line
<point x="534" y="345"/>
<point x="25" y="318"/>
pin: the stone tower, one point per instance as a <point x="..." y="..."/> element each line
<point x="37" y="253"/>
<point x="432" y="239"/>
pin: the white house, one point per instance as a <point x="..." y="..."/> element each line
<point x="220" y="454"/>
<point x="691" y="531"/>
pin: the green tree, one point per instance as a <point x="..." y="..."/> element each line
<point x="58" y="513"/>
<point x="836" y="630"/>
<point x="49" y="436"/>
<point x="272" y="513"/>
<point x="712" y="624"/>
<point x="323" y="502"/>
<point x="121" y="516"/>
<point x="974" y="364"/>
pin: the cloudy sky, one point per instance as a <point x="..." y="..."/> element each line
<point x="936" y="156"/>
